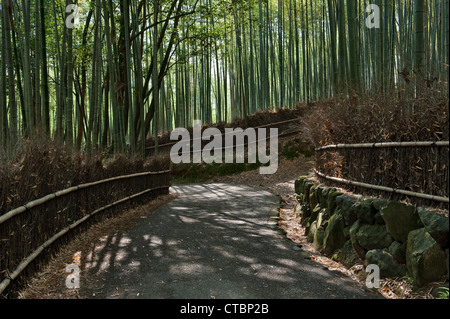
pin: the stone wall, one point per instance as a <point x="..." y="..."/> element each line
<point x="401" y="239"/>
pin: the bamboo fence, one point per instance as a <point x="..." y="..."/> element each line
<point x="223" y="134"/>
<point x="417" y="171"/>
<point x="46" y="223"/>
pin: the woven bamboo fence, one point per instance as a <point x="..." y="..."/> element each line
<point x="414" y="171"/>
<point x="28" y="234"/>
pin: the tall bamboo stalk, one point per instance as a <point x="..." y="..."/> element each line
<point x="3" y="93"/>
<point x="7" y="24"/>
<point x="419" y="38"/>
<point x="45" y="88"/>
<point x="28" y="89"/>
<point x="155" y="74"/>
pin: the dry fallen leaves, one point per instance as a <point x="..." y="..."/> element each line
<point x="49" y="283"/>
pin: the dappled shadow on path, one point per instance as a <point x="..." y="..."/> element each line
<point x="213" y="241"/>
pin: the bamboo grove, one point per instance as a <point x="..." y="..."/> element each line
<point x="106" y="74"/>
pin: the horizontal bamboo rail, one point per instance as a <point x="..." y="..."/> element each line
<point x="384" y="188"/>
<point x="386" y="144"/>
<point x="4" y="284"/>
<point x="66" y="191"/>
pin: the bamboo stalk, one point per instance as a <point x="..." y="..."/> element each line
<point x="386" y="144"/>
<point x="47" y="198"/>
<point x="384" y="188"/>
<point x="4" y="284"/>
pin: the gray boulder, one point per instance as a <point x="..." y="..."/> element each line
<point x="345" y="204"/>
<point x="331" y="201"/>
<point x="389" y="267"/>
<point x="398" y="251"/>
<point x="334" y="237"/>
<point x="306" y="188"/>
<point x="321" y="218"/>
<point x="298" y="184"/>
<point x="313" y="201"/>
<point x="312" y="229"/>
<point x="319" y="190"/>
<point x="379" y="203"/>
<point x="400" y="219"/>
<point x="315" y="212"/>
<point x="365" y="211"/>
<point x="360" y="251"/>
<point x="323" y="198"/>
<point x="348" y="256"/>
<point x="425" y="259"/>
<point x="373" y="237"/>
<point x="318" y="239"/>
<point x="379" y="219"/>
<point x="437" y="226"/>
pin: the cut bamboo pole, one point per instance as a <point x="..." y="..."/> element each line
<point x="386" y="144"/>
<point x="384" y="188"/>
<point x="4" y="284"/>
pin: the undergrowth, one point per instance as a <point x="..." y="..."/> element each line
<point x="389" y="117"/>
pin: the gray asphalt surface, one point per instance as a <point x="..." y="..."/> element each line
<point x="213" y="241"/>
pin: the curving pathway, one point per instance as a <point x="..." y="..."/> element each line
<point x="212" y="241"/>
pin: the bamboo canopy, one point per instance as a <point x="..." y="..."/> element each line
<point x="180" y="60"/>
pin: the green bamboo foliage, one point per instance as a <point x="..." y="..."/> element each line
<point x="135" y="68"/>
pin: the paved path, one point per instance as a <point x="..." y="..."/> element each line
<point x="213" y="241"/>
